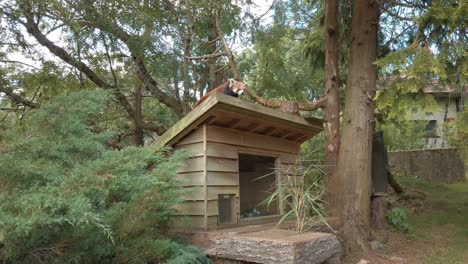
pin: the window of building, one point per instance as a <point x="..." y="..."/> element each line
<point x="458" y="105"/>
<point x="431" y="128"/>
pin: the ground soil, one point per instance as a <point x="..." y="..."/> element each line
<point x="397" y="250"/>
<point x="438" y="218"/>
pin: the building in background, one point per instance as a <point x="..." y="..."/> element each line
<point x="450" y="102"/>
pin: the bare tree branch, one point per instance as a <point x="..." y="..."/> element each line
<point x="320" y="103"/>
<point x="142" y="72"/>
<point x="33" y="29"/>
<point x="274" y="103"/>
<point x="209" y="56"/>
<point x="153" y="127"/>
<point x="19" y="62"/>
<point x="266" y="12"/>
<point x="266" y="102"/>
<point x="399" y="34"/>
<point x="207" y="42"/>
<point x="109" y="60"/>
<point x="18" y="99"/>
<point x="230" y="56"/>
<point x="304" y="11"/>
<point x="54" y="28"/>
<point x="116" y="142"/>
<point x="391" y="13"/>
<point x="187" y="41"/>
<point x="152" y="86"/>
<point x="408" y="4"/>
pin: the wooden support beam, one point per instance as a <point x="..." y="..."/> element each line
<point x="251" y="127"/>
<point x="233" y="122"/>
<point x="270" y="132"/>
<point x="264" y="130"/>
<point x="283" y="133"/>
<point x="210" y="120"/>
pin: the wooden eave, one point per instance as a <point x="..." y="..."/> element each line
<point x="230" y="112"/>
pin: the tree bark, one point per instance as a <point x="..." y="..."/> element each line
<point x="331" y="109"/>
<point x="290" y="107"/>
<point x="391" y="180"/>
<point x="355" y="154"/>
<point x="379" y="209"/>
<point x="275" y="103"/>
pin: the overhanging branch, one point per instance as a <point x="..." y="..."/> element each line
<point x="230" y="56"/>
<point x="18" y="99"/>
<point x="209" y="56"/>
<point x="153" y="127"/>
<point x="142" y="72"/>
<point x="33" y="29"/>
<point x="274" y="103"/>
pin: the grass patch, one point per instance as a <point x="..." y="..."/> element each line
<point x="443" y="221"/>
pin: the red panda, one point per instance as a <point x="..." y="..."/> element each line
<point x="230" y="87"/>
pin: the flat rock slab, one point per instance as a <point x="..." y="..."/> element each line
<point x="275" y="246"/>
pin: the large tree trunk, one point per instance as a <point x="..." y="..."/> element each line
<point x="332" y="122"/>
<point x="355" y="154"/>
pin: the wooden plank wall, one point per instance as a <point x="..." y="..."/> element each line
<point x="191" y="212"/>
<point x="223" y="146"/>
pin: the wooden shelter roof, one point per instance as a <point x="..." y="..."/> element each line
<point x="230" y="112"/>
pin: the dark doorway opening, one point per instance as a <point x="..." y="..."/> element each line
<point x="257" y="181"/>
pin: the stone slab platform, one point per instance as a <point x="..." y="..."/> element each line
<point x="272" y="246"/>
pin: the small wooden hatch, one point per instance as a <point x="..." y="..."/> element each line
<point x="227" y="213"/>
<point x="220" y="133"/>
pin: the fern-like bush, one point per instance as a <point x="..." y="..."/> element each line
<point x="397" y="218"/>
<point x="66" y="198"/>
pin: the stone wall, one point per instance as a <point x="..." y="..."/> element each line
<point x="436" y="165"/>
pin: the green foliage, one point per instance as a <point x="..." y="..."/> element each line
<point x="397" y="218"/>
<point x="106" y="36"/>
<point x="398" y="102"/>
<point x="278" y="66"/>
<point x="414" y="62"/>
<point x="424" y="52"/>
<point x="312" y="151"/>
<point x="442" y="219"/>
<point x="66" y="198"/>
<point x="404" y="135"/>
<point x="458" y="133"/>
<point x="302" y="196"/>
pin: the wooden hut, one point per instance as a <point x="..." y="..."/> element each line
<point x="235" y="147"/>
